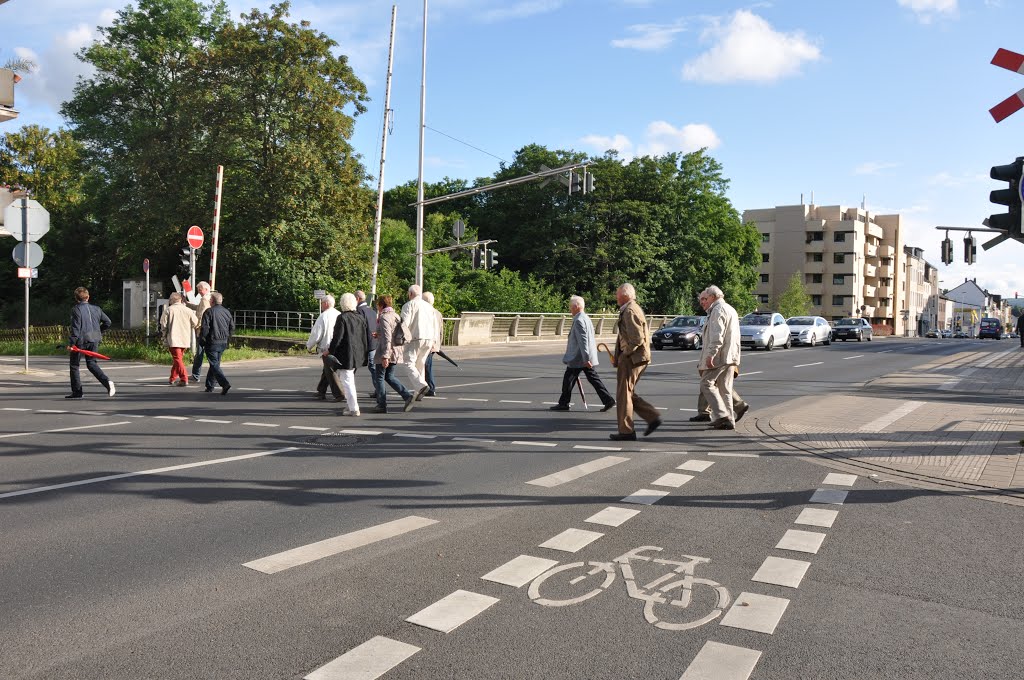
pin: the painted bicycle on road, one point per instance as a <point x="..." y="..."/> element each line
<point x="663" y="598"/>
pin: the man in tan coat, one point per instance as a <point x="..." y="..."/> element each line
<point x="179" y="323"/>
<point x="719" y="357"/>
<point x="632" y="355"/>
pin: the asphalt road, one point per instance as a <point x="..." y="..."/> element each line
<point x="170" y="533"/>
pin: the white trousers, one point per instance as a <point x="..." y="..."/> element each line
<point x="716" y="386"/>
<point x="414" y="359"/>
<point x="347" y="378"/>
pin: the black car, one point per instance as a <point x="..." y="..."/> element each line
<point x="682" y="332"/>
<point x="858" y="329"/>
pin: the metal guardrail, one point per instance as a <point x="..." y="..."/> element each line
<point x="259" y="319"/>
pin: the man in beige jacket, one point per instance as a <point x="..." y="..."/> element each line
<point x="179" y="324"/>
<point x="632" y="355"/>
<point x="719" y="357"/>
<point x="203" y="289"/>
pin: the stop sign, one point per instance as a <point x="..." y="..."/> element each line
<point x="195" y="237"/>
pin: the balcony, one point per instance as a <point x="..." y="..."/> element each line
<point x="814" y="268"/>
<point x="885" y="271"/>
<point x="886" y="251"/>
<point x="815" y="247"/>
<point x="875" y="230"/>
<point x="870" y="250"/>
<point x="869" y="291"/>
<point x="848" y="267"/>
<point x="870" y="271"/>
<point x="869" y="311"/>
<point x="884" y="291"/>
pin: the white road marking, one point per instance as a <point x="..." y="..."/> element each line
<point x="838" y="479"/>
<point x="885" y="351"/>
<point x="830" y="496"/>
<point x="672" y="480"/>
<point x="162" y="377"/>
<point x="584" y="447"/>
<point x="519" y="443"/>
<point x="472" y="439"/>
<point x="62" y="429"/>
<point x="128" y="415"/>
<point x="696" y="465"/>
<point x="368" y="661"/>
<point x="170" y="417"/>
<point x="816" y="363"/>
<point x="11" y="408"/>
<point x="645" y="497"/>
<point x="571" y="540"/>
<point x="486" y="382"/>
<point x="734" y="455"/>
<point x="338" y="544"/>
<point x="278" y="389"/>
<point x="856" y="356"/>
<point x="716" y="661"/>
<point x="745" y="373"/>
<point x="612" y="516"/>
<point x="50" y="410"/>
<point x="577" y="471"/>
<point x="452" y="611"/>
<point x="290" y="368"/>
<point x="91" y="413"/>
<point x="759" y="613"/>
<point x="817" y="518"/>
<point x="156" y="471"/>
<point x="212" y="420"/>
<point x="879" y="424"/>
<point x="261" y="424"/>
<point x="513" y="401"/>
<point x="306" y="427"/>
<point x="781" y="572"/>
<point x="366" y="432"/>
<point x="688" y="409"/>
<point x="801" y="541"/>
<point x="519" y="571"/>
<point x="415" y="436"/>
<point x="471" y="399"/>
<point x="250" y="389"/>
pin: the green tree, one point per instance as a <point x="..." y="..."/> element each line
<point x="794" y="300"/>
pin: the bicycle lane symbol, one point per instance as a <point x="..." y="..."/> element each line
<point x="657" y="592"/>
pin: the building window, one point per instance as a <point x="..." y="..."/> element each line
<point x="816" y="257"/>
<point x="839" y="279"/>
<point x="837" y="300"/>
<point x="815" y="236"/>
<point x="839" y="236"/>
<point x="815" y="278"/>
<point x="764" y="278"/>
<point x="763" y="298"/>
<point x="839" y="258"/>
<point x="765" y="238"/>
<point x="816" y="300"/>
<point x="764" y="257"/>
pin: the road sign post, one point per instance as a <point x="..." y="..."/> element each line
<point x="145" y="268"/>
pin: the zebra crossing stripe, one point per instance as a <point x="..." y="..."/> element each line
<point x="368" y="661"/>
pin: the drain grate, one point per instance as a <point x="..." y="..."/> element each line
<point x="336" y="440"/>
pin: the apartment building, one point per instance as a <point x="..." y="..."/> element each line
<point x="852" y="262"/>
<point x="921" y="305"/>
<point x="971" y="302"/>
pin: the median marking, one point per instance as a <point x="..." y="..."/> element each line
<point x="452" y="611"/>
<point x="368" y="661"/>
<point x="577" y="471"/>
<point x="62" y="429"/>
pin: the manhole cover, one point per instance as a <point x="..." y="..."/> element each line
<point x="335" y="440"/>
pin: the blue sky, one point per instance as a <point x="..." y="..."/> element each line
<point x="884" y="101"/>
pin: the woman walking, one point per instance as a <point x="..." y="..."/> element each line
<point x="179" y="324"/>
<point x="348" y="349"/>
<point x="388" y="356"/>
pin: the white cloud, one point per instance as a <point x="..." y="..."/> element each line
<point x="749" y="49"/>
<point x="649" y="36"/>
<point x="660" y="138"/>
<point x="945" y="179"/>
<point x="927" y="10"/>
<point x="873" y="167"/>
<point x="520" y="10"/>
<point x="57" y="67"/>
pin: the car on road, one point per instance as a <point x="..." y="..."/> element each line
<point x="853" y="328"/>
<point x="683" y="332"/>
<point x="809" y="330"/>
<point x="946" y="333"/>
<point x="932" y="334"/>
<point x="764" y="330"/>
<point x="990" y="328"/>
<point x="960" y="334"/>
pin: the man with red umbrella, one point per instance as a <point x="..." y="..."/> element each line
<point x="87" y="325"/>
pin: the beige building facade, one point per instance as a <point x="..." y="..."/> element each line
<point x="921" y="307"/>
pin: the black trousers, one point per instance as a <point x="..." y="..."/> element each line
<point x="91" y="363"/>
<point x="569" y="382"/>
<point x="331" y="364"/>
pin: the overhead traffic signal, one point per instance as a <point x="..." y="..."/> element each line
<point x="575" y="181"/>
<point x="588" y="182"/>
<point x="970" y="249"/>
<point x="492" y="259"/>
<point x="947" y="251"/>
<point x="185" y="255"/>
<point x="476" y="258"/>
<point x="1010" y="222"/>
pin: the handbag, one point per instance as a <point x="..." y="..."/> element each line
<point x="398" y="337"/>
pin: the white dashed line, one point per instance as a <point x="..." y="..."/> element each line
<point x="307" y="427"/>
<point x="365" y="432"/>
<point x="368" y="661"/>
<point x="672" y="480"/>
<point x="645" y="497"/>
<point x="577" y="471"/>
<point x="759" y="613"/>
<point x="571" y="540"/>
<point x="584" y="447"/>
<point x="472" y="439"/>
<point x="612" y="517"/>
<point x="50" y="410"/>
<point x="746" y="373"/>
<point x="452" y="611"/>
<point x="816" y="363"/>
<point x="856" y="356"/>
<point x="282" y="390"/>
<point x="11" y="408"/>
<point x="829" y="496"/>
<point x="781" y="572"/>
<point x="487" y="382"/>
<point x="817" y="518"/>
<point x="290" y="368"/>
<point x="734" y="455"/>
<point x="696" y="465"/>
<point x="62" y="429"/>
<point x="519" y="571"/>
<point x="250" y="389"/>
<point x="212" y="420"/>
<point x="513" y="401"/>
<point x="801" y="541"/>
<point x="471" y="399"/>
<point x="261" y="424"/>
<point x="716" y="661"/>
<point x="170" y="417"/>
<point x="839" y="479"/>
<point x="409" y="435"/>
<point x="520" y="443"/>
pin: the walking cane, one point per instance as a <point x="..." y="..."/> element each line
<point x="579" y="384"/>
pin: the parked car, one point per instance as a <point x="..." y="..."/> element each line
<point x="764" y="330"/>
<point x="682" y="332"/>
<point x="852" y="328"/>
<point x="946" y="333"/>
<point x="1012" y="334"/>
<point x="990" y="328"/>
<point x="809" y="330"/>
<point x="932" y="334"/>
<point x="960" y="334"/>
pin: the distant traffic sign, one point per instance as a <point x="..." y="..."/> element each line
<point x="195" y="237"/>
<point x="33" y="258"/>
<point x="145" y="265"/>
<point x="38" y="220"/>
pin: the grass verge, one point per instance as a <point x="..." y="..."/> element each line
<point x="154" y="354"/>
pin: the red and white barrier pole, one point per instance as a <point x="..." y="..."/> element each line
<point x="216" y="228"/>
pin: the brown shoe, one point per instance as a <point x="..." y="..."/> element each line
<point x="742" y="411"/>
<point x="652" y="426"/>
<point x="702" y="418"/>
<point x="622" y="436"/>
<point x="723" y="424"/>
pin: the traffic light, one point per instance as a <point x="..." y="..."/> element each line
<point x="947" y="251"/>
<point x="492" y="259"/>
<point x="185" y="255"/>
<point x="970" y="249"/>
<point x="476" y="258"/>
<point x="1010" y="222"/>
<point x="575" y="181"/>
<point x="588" y="184"/>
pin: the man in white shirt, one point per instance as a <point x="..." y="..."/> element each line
<point x="420" y="328"/>
<point x="320" y="338"/>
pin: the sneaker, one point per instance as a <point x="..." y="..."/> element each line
<point x="702" y="418"/>
<point x="209" y="389"/>
<point x="111" y="390"/>
<point x="75" y="396"/>
<point x="420" y="392"/>
<point x="431" y="393"/>
<point x="409" y="401"/>
<point x="741" y="411"/>
<point x="652" y="426"/>
<point x="347" y="412"/>
<point x="194" y="377"/>
<point x="224" y="390"/>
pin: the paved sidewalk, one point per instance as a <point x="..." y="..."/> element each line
<point x="955" y="423"/>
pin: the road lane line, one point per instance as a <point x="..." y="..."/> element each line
<point x="759" y="613"/>
<point x="519" y="443"/>
<point x="251" y="389"/>
<point x="472" y="439"/>
<point x="156" y="471"/>
<point x="368" y="661"/>
<point x="577" y="471"/>
<point x="410" y="435"/>
<point x="50" y="410"/>
<point x="612" y="516"/>
<point x="839" y="479"/>
<point x="645" y="497"/>
<point x="734" y="455"/>
<point x="817" y="518"/>
<point x="571" y="540"/>
<point x="879" y="424"/>
<point x="856" y="356"/>
<point x="366" y="432"/>
<point x="452" y="611"/>
<point x="584" y="447"/>
<point x="212" y="420"/>
<point x="780" y="571"/>
<point x="261" y="424"/>
<point x="717" y="661"/>
<point x="519" y="571"/>
<point x="290" y="368"/>
<point x="306" y="427"/>
<point x="487" y="382"/>
<point x="801" y="541"/>
<point x="62" y="429"/>
<point x="829" y="496"/>
<point x="672" y="480"/>
<point x="11" y="408"/>
<point x="696" y="465"/>
<point x="171" y="417"/>
<point x="272" y="564"/>
<point x="471" y="399"/>
<point x="513" y="401"/>
<point x="746" y="373"/>
<point x="816" y="363"/>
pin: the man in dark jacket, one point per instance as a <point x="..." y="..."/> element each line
<point x="370" y="314"/>
<point x="1020" y="329"/>
<point x="218" y="326"/>
<point x="87" y="325"/>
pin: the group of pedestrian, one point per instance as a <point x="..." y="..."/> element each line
<point x="207" y="325"/>
<point x="718" y="402"/>
<point x="355" y="335"/>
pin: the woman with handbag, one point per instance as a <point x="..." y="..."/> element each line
<point x="389" y="354"/>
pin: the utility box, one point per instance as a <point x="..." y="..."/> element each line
<point x="133" y="309"/>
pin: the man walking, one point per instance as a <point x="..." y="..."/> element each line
<point x="419" y="327"/>
<point x="581" y="356"/>
<point x="1020" y="329"/>
<point x="217" y="328"/>
<point x="428" y="366"/>
<point x="88" y="322"/>
<point x="203" y="289"/>
<point x="739" y="407"/>
<point x="179" y="324"/>
<point x="320" y="338"/>
<point x="719" y="358"/>
<point x="370" y="314"/>
<point x="631" y="357"/>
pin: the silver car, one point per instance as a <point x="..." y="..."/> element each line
<point x="764" y="330"/>
<point x="809" y="330"/>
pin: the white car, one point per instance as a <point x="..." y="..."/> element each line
<point x="764" y="330"/>
<point x="809" y="330"/>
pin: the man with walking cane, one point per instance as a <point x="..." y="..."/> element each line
<point x="581" y="356"/>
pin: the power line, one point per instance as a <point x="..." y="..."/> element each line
<point x="456" y="139"/>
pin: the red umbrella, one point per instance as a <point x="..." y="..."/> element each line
<point x="88" y="353"/>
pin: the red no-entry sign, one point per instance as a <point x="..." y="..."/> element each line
<point x="195" y="237"/>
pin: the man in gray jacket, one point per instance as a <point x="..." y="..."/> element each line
<point x="581" y="355"/>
